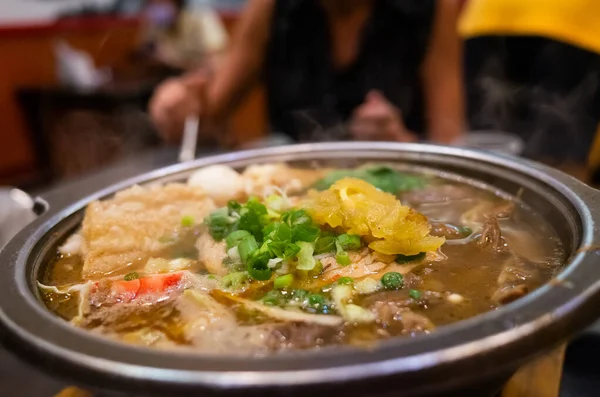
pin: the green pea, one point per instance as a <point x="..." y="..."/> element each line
<point x="392" y="280"/>
<point x="345" y="281"/>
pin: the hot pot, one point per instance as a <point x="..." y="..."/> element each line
<point x="472" y="357"/>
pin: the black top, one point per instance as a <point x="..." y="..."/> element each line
<point x="309" y="99"/>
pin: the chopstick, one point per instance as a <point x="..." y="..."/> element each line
<point x="187" y="151"/>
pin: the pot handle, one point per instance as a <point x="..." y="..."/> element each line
<point x="588" y="194"/>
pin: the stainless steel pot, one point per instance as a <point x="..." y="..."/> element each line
<point x="463" y="359"/>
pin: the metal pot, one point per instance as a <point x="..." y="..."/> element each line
<point x="464" y="358"/>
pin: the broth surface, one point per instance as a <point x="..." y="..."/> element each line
<point x="167" y="267"/>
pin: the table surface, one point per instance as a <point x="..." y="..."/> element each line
<point x="579" y="374"/>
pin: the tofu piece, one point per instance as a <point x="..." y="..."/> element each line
<point x="128" y="228"/>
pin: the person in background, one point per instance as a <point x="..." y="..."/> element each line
<point x="334" y="69"/>
<point x="533" y="68"/>
<point x="183" y="38"/>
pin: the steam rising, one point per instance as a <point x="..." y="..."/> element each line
<point x="98" y="138"/>
<point x="555" y="123"/>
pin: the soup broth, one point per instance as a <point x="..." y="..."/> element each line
<point x="277" y="258"/>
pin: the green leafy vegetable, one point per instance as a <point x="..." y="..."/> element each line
<point x="402" y="259"/>
<point x="382" y="177"/>
<point x="392" y="280"/>
<point x="132" y="276"/>
<point x="415" y="294"/>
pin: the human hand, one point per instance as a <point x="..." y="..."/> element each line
<point x="175" y="100"/>
<point x="379" y="120"/>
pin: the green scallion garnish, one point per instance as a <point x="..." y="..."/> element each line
<point x="283" y="281"/>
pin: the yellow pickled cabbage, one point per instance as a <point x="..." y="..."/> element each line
<point x="359" y="208"/>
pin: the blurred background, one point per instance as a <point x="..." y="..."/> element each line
<point x="93" y="91"/>
<point x="77" y="78"/>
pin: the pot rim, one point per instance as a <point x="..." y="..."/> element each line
<point x="551" y="313"/>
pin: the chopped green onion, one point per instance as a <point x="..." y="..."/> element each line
<point x="306" y="261"/>
<point x="415" y="294"/>
<point x="219" y="223"/>
<point x="233" y="206"/>
<point x="283" y="281"/>
<point x="234" y="238"/>
<point x="273" y="262"/>
<point x="349" y="241"/>
<point x="234" y="254"/>
<point x="253" y="217"/>
<point x="277" y="203"/>
<point x="187" y="221"/>
<point x="324" y="245"/>
<point x="278" y="232"/>
<point x="343" y="258"/>
<point x="132" y="276"/>
<point x="211" y="277"/>
<point x="402" y="259"/>
<point x="235" y="280"/>
<point x="258" y="266"/>
<point x="246" y="247"/>
<point x="291" y="250"/>
<point x="272" y="214"/>
<point x="314" y="272"/>
<point x="305" y="232"/>
<point x="392" y="280"/>
<point x="317" y="270"/>
<point x="345" y="281"/>
<point x="277" y="248"/>
<point x="296" y="217"/>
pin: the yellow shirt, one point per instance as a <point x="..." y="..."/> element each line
<point x="576" y="22"/>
